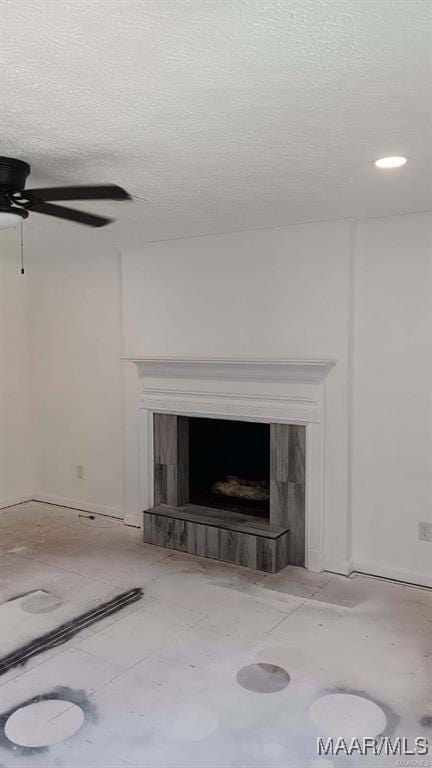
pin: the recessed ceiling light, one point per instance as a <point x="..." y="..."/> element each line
<point x="390" y="162"/>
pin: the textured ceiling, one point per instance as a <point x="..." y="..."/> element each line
<point x="222" y="114"/>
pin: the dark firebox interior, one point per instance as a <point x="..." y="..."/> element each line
<point x="219" y="448"/>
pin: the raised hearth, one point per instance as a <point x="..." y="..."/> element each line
<point x="222" y="535"/>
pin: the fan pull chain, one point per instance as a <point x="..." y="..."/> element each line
<point x="22" y="250"/>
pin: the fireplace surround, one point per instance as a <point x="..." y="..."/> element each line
<point x="233" y="532"/>
<point x="282" y="394"/>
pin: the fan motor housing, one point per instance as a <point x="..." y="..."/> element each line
<point x="13" y="174"/>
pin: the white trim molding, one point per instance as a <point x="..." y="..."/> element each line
<point x="227" y="406"/>
<point x="289" y="391"/>
<point x="306" y="371"/>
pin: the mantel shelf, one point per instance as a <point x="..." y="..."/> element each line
<point x="306" y="371"/>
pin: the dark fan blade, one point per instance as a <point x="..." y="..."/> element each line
<point x="69" y="213"/>
<point x="94" y="192"/>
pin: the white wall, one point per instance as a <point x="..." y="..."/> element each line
<point x="392" y="469"/>
<point x="75" y="315"/>
<point x="271" y="293"/>
<point x="358" y="292"/>
<point x="16" y="480"/>
<point x="361" y="293"/>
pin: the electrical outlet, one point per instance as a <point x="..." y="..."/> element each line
<point x="80" y="471"/>
<point x="425" y="531"/>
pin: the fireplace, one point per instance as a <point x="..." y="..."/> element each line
<point x="229" y="465"/>
<point x="288" y="394"/>
<point x="229" y="489"/>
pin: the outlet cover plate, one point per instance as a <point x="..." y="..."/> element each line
<point x="425" y="531"/>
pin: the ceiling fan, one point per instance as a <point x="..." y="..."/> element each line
<point x="16" y="202"/>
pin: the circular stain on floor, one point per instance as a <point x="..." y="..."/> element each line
<point x="44" y="723"/>
<point x="41" y="603"/>
<point x="348" y="716"/>
<point x="263" y="678"/>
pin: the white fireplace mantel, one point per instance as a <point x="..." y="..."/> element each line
<point x="305" y="371"/>
<point x="272" y="391"/>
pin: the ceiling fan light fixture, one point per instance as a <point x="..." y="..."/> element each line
<point x="16" y="201"/>
<point x="395" y="161"/>
<point x="11" y="217"/>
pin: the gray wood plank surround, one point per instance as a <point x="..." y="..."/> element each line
<point x="171" y="460"/>
<point x="253" y="550"/>
<point x="287" y="485"/>
<point x="220" y="534"/>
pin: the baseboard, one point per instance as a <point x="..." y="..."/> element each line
<point x="132" y="521"/>
<point x="395" y="574"/>
<point x="344" y="567"/>
<point x="85" y="506"/>
<point x="14" y="500"/>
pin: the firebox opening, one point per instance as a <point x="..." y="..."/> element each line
<point x="229" y="465"/>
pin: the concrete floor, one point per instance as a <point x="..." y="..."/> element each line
<point x="173" y="681"/>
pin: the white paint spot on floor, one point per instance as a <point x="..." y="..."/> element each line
<point x="191" y="723"/>
<point x="348" y="716"/>
<point x="43" y="723"/>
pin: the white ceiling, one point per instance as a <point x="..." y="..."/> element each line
<point x="223" y="114"/>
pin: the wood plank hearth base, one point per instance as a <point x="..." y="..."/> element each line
<point x="218" y="534"/>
